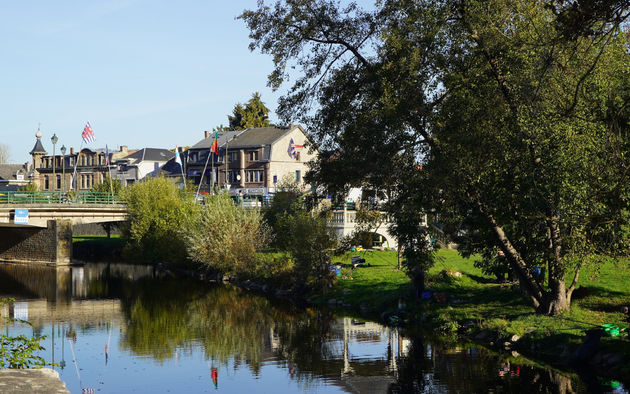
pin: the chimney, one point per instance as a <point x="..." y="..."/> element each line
<point x="71" y="150"/>
<point x="123" y="148"/>
<point x="206" y="134"/>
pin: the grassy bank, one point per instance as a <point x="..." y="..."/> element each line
<point x="481" y="304"/>
<point x="97" y="248"/>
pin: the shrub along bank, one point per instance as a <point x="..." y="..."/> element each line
<point x="466" y="301"/>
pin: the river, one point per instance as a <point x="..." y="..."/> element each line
<point x="118" y="328"/>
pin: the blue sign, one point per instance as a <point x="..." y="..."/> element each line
<point x="21" y="216"/>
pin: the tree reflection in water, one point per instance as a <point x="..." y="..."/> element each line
<point x="439" y="366"/>
<point x="163" y="317"/>
<point x="233" y="325"/>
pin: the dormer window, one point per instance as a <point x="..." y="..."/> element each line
<point x="253" y="155"/>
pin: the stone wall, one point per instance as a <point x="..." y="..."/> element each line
<point x="52" y="244"/>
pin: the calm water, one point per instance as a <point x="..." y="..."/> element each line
<point x="126" y="329"/>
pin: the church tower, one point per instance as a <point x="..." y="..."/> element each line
<point x="38" y="152"/>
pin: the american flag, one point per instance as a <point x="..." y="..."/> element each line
<point x="88" y="133"/>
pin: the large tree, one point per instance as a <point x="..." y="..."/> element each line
<point x="251" y="115"/>
<point x="521" y="129"/>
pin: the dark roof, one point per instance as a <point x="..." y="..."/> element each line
<point x="38" y="148"/>
<point x="152" y="154"/>
<point x="5" y="187"/>
<point x="259" y="137"/>
<point x="7" y="171"/>
<point x="224" y="136"/>
<point x="245" y="138"/>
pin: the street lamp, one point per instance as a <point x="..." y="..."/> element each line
<point x="63" y="168"/>
<point x="54" y="140"/>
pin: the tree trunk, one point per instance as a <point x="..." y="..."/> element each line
<point x="556" y="300"/>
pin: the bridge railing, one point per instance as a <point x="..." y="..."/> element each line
<point x="57" y="197"/>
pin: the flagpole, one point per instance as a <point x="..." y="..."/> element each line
<point x="181" y="166"/>
<point x="76" y="161"/>
<point x="204" y="171"/>
<point x="226" y="159"/>
<point x="212" y="175"/>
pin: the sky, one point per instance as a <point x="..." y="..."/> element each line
<point x="144" y="73"/>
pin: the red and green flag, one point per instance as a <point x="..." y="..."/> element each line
<point x="215" y="144"/>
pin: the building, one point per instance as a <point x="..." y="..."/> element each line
<point x="14" y="176"/>
<point x="56" y="172"/>
<point x="139" y="164"/>
<point x="82" y="170"/>
<point x="257" y="160"/>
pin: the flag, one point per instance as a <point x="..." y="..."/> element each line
<point x="106" y="155"/>
<point x="215" y="144"/>
<point x="292" y="151"/>
<point x="177" y="159"/>
<point x="88" y="133"/>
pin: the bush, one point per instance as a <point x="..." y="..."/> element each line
<point x="307" y="238"/>
<point x="20" y="352"/>
<point x="226" y="237"/>
<point x="159" y="216"/>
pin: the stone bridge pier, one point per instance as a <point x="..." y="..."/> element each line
<point x="44" y="234"/>
<point x="45" y="245"/>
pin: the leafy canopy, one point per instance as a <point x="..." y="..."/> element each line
<point x="518" y="129"/>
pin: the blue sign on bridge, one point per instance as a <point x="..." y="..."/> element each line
<point x="21" y="216"/>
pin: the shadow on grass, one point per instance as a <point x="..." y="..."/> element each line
<point x="600" y="299"/>
<point x="380" y="297"/>
<point x="480" y="279"/>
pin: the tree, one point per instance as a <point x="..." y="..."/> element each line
<point x="302" y="231"/>
<point x="251" y="115"/>
<point x="4" y="154"/>
<point x="159" y="214"/>
<point x="521" y="130"/>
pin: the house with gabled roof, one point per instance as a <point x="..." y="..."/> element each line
<point x="140" y="164"/>
<point x="250" y="162"/>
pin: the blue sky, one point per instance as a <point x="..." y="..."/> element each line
<point x="144" y="73"/>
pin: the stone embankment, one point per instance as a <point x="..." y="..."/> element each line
<point x="31" y="381"/>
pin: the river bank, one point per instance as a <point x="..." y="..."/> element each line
<point x="465" y="302"/>
<point x="468" y="303"/>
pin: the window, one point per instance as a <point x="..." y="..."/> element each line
<point x="253" y="155"/>
<point x="233" y="157"/>
<point x="253" y="176"/>
<point x="275" y="179"/>
<point x="58" y="181"/>
<point x="46" y="182"/>
<point x="232" y="176"/>
<point x="298" y="176"/>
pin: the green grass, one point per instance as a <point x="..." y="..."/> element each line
<point x="497" y="308"/>
<point x="380" y="285"/>
<point x="97" y="247"/>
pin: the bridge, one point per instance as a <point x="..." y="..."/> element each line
<point x="37" y="226"/>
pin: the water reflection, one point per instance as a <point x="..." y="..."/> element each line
<point x="113" y="323"/>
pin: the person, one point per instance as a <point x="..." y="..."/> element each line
<point x="626" y="311"/>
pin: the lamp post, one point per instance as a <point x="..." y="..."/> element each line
<point x="54" y="140"/>
<point x="63" y="168"/>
